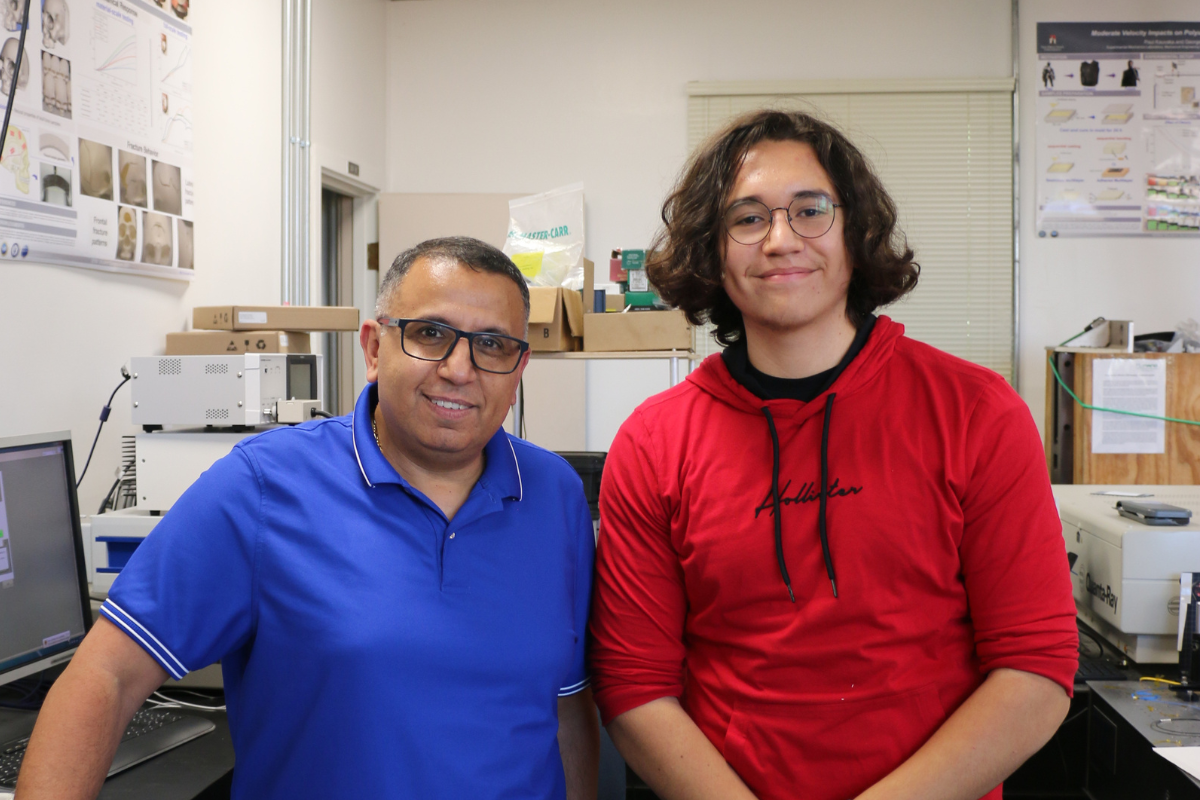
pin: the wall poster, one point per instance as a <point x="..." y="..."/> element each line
<point x="97" y="167"/>
<point x="1118" y="128"/>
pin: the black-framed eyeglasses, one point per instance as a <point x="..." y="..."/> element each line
<point x="427" y="340"/>
<point x="810" y="216"/>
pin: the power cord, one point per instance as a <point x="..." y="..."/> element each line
<point x="316" y="412"/>
<point x="112" y="491"/>
<point x="1089" y="406"/>
<point x="12" y="88"/>
<point x="161" y="700"/>
<point x="104" y="412"/>
<point x="1095" y="641"/>
<point x="32" y="690"/>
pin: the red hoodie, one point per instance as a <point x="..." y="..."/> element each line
<point x="942" y="533"/>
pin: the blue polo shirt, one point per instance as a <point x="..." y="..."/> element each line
<point x="370" y="647"/>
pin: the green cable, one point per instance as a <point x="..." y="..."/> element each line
<point x="1090" y="407"/>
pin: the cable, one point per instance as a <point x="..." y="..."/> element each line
<point x="1096" y="641"/>
<point x="116" y="483"/>
<point x="1089" y="406"/>
<point x="33" y="698"/>
<point x="12" y="89"/>
<point x="161" y="700"/>
<point x="1160" y="726"/>
<point x="1162" y="680"/>
<point x="316" y="412"/>
<point x="104" y="412"/>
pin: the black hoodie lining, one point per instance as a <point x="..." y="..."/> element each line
<point x="769" y="387"/>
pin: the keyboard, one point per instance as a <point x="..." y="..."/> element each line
<point x="1097" y="669"/>
<point x="151" y="732"/>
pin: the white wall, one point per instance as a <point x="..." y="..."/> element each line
<point x="64" y="333"/>
<point x="1068" y="282"/>
<point x="348" y="63"/>
<point x="504" y="96"/>
<point x="348" y="72"/>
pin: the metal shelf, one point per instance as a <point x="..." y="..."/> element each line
<point x="620" y="354"/>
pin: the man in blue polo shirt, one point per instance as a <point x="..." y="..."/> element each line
<point x="398" y="598"/>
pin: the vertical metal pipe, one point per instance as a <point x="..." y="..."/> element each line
<point x="296" y="163"/>
<point x="297" y="172"/>
<point x="286" y="159"/>
<point x="305" y="161"/>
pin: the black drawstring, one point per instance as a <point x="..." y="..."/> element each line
<point x="777" y="506"/>
<point x="825" y="492"/>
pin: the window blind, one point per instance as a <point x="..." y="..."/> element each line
<point x="944" y="150"/>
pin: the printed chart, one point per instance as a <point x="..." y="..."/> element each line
<point x="1118" y="128"/>
<point x="96" y="171"/>
<point x="114" y="47"/>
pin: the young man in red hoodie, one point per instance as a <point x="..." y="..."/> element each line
<point x="830" y="564"/>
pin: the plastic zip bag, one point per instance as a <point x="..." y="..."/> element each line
<point x="545" y="237"/>
<point x="1187" y="337"/>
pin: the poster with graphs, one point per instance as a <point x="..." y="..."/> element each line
<point x="1118" y="128"/>
<point x="96" y="170"/>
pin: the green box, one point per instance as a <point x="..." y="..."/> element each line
<point x="640" y="299"/>
<point x="633" y="259"/>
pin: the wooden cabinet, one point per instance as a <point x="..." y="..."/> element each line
<point x="1068" y="429"/>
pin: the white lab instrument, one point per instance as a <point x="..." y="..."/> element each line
<point x="220" y="391"/>
<point x="1124" y="573"/>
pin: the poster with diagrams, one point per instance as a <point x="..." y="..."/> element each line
<point x="1118" y="128"/>
<point x="96" y="171"/>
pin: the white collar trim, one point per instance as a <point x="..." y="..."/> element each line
<point x="517" y="464"/>
<point x="354" y="441"/>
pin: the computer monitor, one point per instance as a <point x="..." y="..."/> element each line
<point x="44" y="606"/>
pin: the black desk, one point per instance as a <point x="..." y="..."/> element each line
<point x="201" y="768"/>
<point x="1124" y="727"/>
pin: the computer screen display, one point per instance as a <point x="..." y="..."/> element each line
<point x="44" y="606"/>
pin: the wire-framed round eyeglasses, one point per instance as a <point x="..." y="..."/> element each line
<point x="809" y="215"/>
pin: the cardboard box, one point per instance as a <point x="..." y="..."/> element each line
<point x="555" y="319"/>
<point x="632" y="330"/>
<point x="275" y="318"/>
<point x="636" y="330"/>
<point x="212" y="343"/>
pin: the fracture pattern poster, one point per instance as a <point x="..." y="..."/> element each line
<point x="96" y="171"/>
<point x="1118" y="128"/>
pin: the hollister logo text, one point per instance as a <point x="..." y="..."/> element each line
<point x="1104" y="593"/>
<point x="810" y="492"/>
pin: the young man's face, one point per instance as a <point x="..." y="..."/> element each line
<point x="786" y="282"/>
<point x="444" y="412"/>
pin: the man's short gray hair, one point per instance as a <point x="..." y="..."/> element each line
<point x="477" y="255"/>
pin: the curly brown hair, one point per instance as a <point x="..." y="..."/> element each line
<point x="684" y="262"/>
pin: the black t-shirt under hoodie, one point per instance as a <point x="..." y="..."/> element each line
<point x="768" y="387"/>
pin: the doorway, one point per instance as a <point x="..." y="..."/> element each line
<point x="337" y="289"/>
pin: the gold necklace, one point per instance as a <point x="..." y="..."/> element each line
<point x="375" y="431"/>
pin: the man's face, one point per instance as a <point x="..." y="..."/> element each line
<point x="442" y="413"/>
<point x="785" y="282"/>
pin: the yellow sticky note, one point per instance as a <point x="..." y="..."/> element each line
<point x="530" y="264"/>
